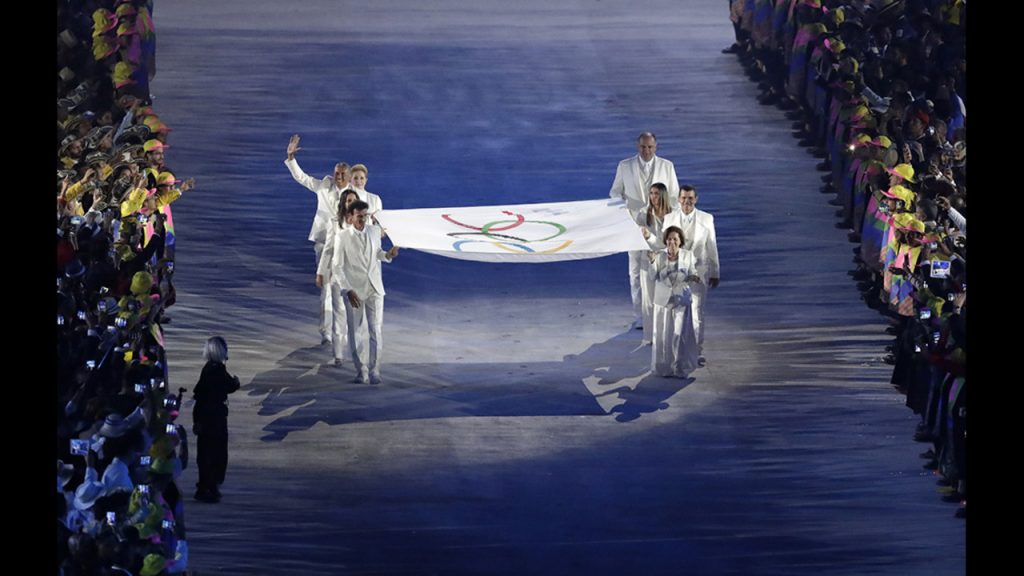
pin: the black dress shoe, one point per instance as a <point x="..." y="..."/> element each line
<point x="734" y="49"/>
<point x="932" y="464"/>
<point x="928" y="454"/>
<point x="855" y="238"/>
<point x="205" y="496"/>
<point x="824" y="166"/>
<point x="892" y="330"/>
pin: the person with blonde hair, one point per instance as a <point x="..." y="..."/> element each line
<point x="651" y="222"/>
<point x="360" y="175"/>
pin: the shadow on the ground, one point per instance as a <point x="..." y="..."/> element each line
<point x="609" y="377"/>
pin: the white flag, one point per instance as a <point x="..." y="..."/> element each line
<point x="521" y="233"/>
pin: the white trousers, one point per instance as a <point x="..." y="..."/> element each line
<point x="700" y="295"/>
<point x="646" y="298"/>
<point x="674" y="353"/>
<point x="325" y="298"/>
<point x="339" y="317"/>
<point x="371" y="315"/>
<point x="636" y="258"/>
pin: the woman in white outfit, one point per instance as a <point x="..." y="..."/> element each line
<point x="674" y="353"/>
<point x="651" y="222"/>
<point x="337" y="223"/>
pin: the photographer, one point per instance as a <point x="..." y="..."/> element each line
<point x="210" y="419"/>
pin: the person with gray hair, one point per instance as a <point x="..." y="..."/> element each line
<point x="328" y="191"/>
<point x="210" y="419"/>
<point x="634" y="177"/>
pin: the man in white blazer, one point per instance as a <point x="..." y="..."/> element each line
<point x="699" y="236"/>
<point x="355" y="267"/>
<point x="633" y="179"/>
<point x="328" y="192"/>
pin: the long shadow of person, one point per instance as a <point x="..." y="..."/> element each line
<point x="301" y="390"/>
<point x="648" y="396"/>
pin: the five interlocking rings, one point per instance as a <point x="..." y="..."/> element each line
<point x="508" y="242"/>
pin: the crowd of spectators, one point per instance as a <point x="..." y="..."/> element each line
<point x="120" y="450"/>
<point x="878" y="92"/>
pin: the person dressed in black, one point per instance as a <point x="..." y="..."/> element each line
<point x="210" y="419"/>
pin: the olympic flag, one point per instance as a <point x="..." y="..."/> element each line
<point x="520" y="233"/>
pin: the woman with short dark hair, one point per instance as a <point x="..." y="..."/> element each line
<point x="674" y="352"/>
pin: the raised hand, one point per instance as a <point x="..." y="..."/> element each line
<point x="293" y="146"/>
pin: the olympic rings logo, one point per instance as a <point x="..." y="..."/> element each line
<point x="508" y="242"/>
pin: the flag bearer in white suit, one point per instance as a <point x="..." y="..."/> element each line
<point x="674" y="272"/>
<point x="328" y="191"/>
<point x="699" y="236"/>
<point x="633" y="180"/>
<point x="355" y="266"/>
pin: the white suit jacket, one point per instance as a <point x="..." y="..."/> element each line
<point x="629" y="184"/>
<point x="352" y="260"/>
<point x="327" y="196"/>
<point x="371" y="199"/>
<point x="705" y="244"/>
<point x="670" y="277"/>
